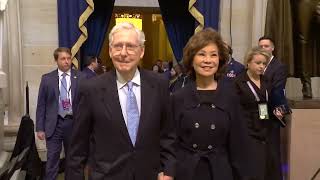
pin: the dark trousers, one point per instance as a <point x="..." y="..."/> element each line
<point x="61" y="136"/>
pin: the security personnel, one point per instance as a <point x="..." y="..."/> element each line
<point x="234" y="68"/>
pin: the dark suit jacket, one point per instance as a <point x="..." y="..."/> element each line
<point x="48" y="100"/>
<point x="88" y="73"/>
<point x="234" y="68"/>
<point x="99" y="121"/>
<point x="276" y="73"/>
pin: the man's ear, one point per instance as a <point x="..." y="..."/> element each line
<point x="110" y="52"/>
<point x="142" y="52"/>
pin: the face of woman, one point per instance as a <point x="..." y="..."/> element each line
<point x="257" y="64"/>
<point x="206" y="61"/>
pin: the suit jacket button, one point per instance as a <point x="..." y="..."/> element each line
<point x="194" y="146"/>
<point x="213" y="126"/>
<point x="210" y="147"/>
<point x="213" y="106"/>
<point x="196" y="125"/>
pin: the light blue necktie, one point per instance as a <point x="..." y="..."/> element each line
<point x="132" y="113"/>
<point x="63" y="95"/>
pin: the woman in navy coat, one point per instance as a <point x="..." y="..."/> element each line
<point x="254" y="89"/>
<point x="211" y="135"/>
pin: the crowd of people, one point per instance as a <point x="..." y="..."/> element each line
<point x="218" y="120"/>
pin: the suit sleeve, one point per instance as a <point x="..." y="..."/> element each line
<point x="79" y="144"/>
<point x="278" y="87"/>
<point x="280" y="77"/>
<point x="41" y="105"/>
<point x="167" y="135"/>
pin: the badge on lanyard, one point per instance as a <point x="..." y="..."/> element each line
<point x="263" y="111"/>
<point x="263" y="107"/>
<point x="66" y="104"/>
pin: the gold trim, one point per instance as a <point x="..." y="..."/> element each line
<point x="84" y="32"/>
<point x="197" y="15"/>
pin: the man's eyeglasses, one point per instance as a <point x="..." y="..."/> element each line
<point x="131" y="48"/>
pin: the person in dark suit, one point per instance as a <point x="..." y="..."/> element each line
<point x="125" y="113"/>
<point x="254" y="91"/>
<point x="277" y="74"/>
<point x="211" y="135"/>
<point x="91" y="64"/>
<point x="181" y="79"/>
<point x="56" y="103"/>
<point x="234" y="68"/>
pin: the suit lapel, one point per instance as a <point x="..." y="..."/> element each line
<point x="55" y="84"/>
<point x="147" y="97"/>
<point x="110" y="98"/>
<point x="73" y="79"/>
<point x="269" y="69"/>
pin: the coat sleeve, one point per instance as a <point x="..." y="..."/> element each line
<point x="167" y="134"/>
<point x="238" y="142"/>
<point x="41" y="105"/>
<point x="80" y="138"/>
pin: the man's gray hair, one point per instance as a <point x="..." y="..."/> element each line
<point x="127" y="26"/>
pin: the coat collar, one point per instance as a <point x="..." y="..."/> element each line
<point x="193" y="99"/>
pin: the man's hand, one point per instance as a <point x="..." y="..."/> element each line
<point x="41" y="135"/>
<point x="161" y="176"/>
<point x="278" y="112"/>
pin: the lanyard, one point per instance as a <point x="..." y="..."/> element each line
<point x="255" y="93"/>
<point x="68" y="91"/>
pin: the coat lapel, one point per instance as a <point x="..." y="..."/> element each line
<point x="110" y="98"/>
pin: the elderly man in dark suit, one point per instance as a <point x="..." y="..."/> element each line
<point x="124" y="115"/>
<point x="55" y="107"/>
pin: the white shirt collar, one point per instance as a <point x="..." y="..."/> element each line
<point x="121" y="82"/>
<point x="61" y="72"/>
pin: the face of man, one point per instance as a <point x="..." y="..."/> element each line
<point x="95" y="64"/>
<point x="267" y="45"/>
<point x="125" y="51"/>
<point x="64" y="61"/>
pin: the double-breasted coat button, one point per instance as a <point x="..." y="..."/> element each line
<point x="196" y="125"/>
<point x="194" y="145"/>
<point x="213" y="106"/>
<point x="210" y="147"/>
<point x="198" y="105"/>
<point x="213" y="126"/>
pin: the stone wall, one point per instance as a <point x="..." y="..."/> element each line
<point x="39" y="37"/>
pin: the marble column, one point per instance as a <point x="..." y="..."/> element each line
<point x="3" y="78"/>
<point x="15" y="71"/>
<point x="242" y="23"/>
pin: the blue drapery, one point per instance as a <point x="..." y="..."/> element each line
<point x="179" y="24"/>
<point x="72" y="17"/>
<point x="68" y="21"/>
<point x="97" y="26"/>
<point x="210" y="12"/>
